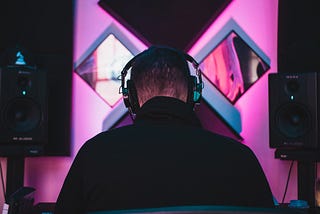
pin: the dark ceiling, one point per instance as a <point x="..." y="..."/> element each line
<point x="179" y="24"/>
<point x="168" y="22"/>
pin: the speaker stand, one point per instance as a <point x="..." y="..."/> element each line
<point x="15" y="175"/>
<point x="307" y="175"/>
<point x="306" y="170"/>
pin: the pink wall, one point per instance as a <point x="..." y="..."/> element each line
<point x="257" y="18"/>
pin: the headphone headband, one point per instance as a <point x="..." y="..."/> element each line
<point x="129" y="93"/>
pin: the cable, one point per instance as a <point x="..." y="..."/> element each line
<point x="2" y="181"/>
<point x="285" y="191"/>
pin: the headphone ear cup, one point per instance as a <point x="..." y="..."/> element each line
<point x="195" y="89"/>
<point x="132" y="96"/>
<point x="125" y="95"/>
<point x="197" y="93"/>
<point x="191" y="87"/>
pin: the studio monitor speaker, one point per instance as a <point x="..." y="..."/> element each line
<point x="294" y="110"/>
<point x="23" y="110"/>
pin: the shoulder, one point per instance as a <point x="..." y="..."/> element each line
<point x="218" y="139"/>
<point x="228" y="146"/>
<point x="105" y="140"/>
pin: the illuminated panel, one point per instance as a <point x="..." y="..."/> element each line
<point x="233" y="67"/>
<point x="221" y="51"/>
<point x="103" y="66"/>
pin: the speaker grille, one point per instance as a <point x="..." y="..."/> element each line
<point x="293" y="120"/>
<point x="22" y="115"/>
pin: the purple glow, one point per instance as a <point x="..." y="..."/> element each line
<point x="46" y="175"/>
<point x="257" y="18"/>
<point x="259" y="21"/>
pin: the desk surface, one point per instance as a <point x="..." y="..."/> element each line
<point x="207" y="210"/>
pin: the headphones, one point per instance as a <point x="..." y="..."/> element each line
<point x="129" y="92"/>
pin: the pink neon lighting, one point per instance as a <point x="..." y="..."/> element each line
<point x="259" y="21"/>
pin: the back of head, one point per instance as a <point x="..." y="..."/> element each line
<point x="160" y="71"/>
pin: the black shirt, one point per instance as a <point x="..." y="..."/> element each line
<point x="164" y="159"/>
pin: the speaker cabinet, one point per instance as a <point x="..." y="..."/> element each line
<point x="23" y="110"/>
<point x="293" y="110"/>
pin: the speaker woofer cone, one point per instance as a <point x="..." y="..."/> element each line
<point x="293" y="120"/>
<point x="22" y="115"/>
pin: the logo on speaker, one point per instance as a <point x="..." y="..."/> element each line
<point x="22" y="138"/>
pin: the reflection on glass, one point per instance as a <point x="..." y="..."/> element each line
<point x="233" y="67"/>
<point x="103" y="66"/>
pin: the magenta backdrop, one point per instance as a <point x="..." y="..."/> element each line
<point x="257" y="18"/>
